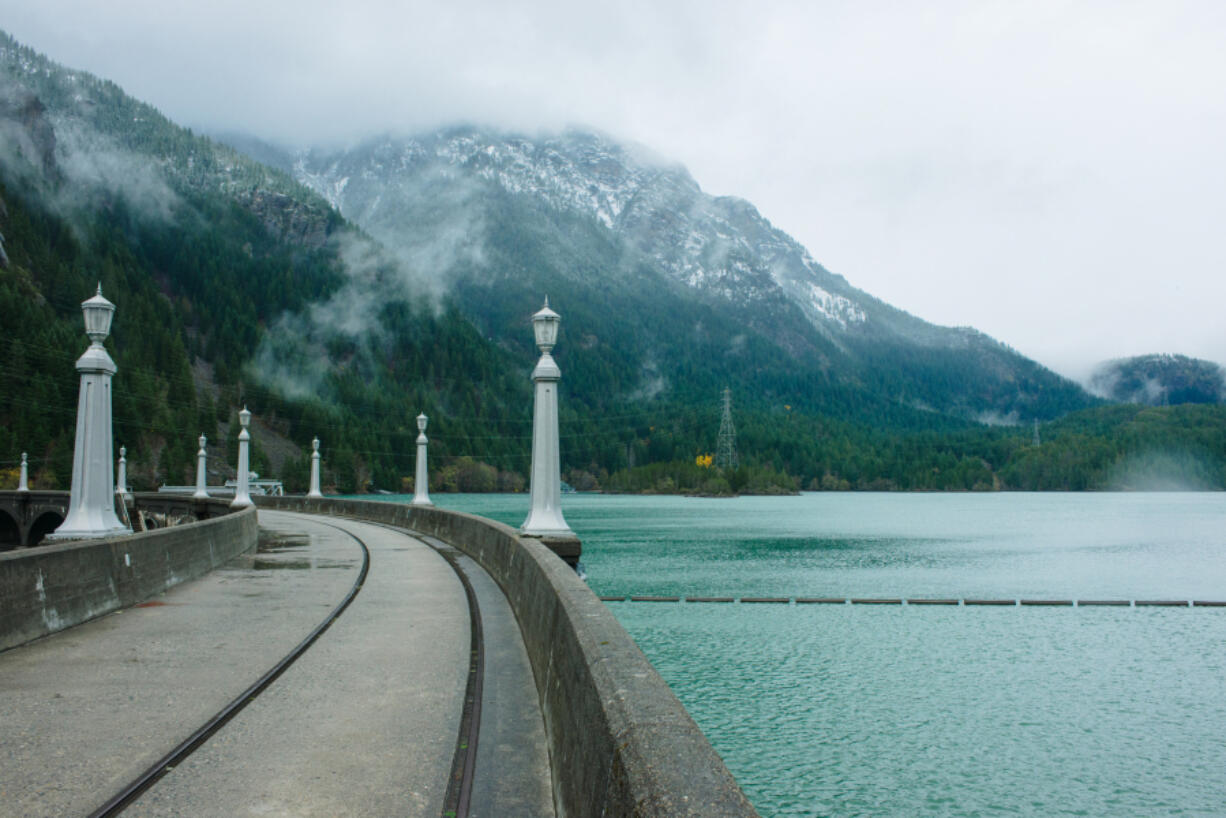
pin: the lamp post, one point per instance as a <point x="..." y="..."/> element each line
<point x="421" y="480"/>
<point x="121" y="479"/>
<point x="23" y="481"/>
<point x="545" y="515"/>
<point x="202" y="456"/>
<point x="242" y="491"/>
<point x="91" y="506"/>
<point x="314" y="492"/>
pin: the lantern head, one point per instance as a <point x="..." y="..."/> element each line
<point x="98" y="314"/>
<point x="545" y="327"/>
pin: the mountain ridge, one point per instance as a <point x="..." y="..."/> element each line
<point x="719" y="250"/>
<point x="235" y="285"/>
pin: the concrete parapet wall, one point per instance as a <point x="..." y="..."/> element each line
<point x="621" y="743"/>
<point x="46" y="589"/>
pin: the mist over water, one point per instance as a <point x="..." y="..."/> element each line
<point x="1173" y="471"/>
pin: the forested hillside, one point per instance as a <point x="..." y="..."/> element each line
<point x="1161" y="380"/>
<point x="201" y="250"/>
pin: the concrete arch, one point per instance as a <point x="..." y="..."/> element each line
<point x="10" y="532"/>
<point x="47" y="522"/>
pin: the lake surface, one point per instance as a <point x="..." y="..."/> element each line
<point x="871" y="710"/>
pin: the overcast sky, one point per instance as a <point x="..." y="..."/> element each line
<point x="1053" y="173"/>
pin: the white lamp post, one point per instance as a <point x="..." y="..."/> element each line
<point x="314" y="491"/>
<point x="421" y="480"/>
<point x="545" y="515"/>
<point x="242" y="491"/>
<point x="91" y="506"/>
<point x="202" y="456"/>
<point x="121" y="479"/>
<point x="23" y="481"/>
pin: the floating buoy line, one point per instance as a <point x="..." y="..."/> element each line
<point x="906" y="601"/>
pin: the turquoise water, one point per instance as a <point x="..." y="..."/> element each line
<point x="872" y="710"/>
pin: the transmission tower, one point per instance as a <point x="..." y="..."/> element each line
<point x="1036" y="432"/>
<point x="725" y="448"/>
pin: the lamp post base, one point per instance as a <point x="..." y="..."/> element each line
<point x="60" y="534"/>
<point x="567" y="546"/>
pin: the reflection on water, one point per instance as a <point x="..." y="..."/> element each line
<point x="898" y="710"/>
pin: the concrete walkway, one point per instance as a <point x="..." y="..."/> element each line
<point x="364" y="723"/>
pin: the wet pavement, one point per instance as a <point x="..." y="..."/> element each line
<point x="85" y="710"/>
<point x="364" y="723"/>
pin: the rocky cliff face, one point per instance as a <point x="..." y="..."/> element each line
<point x="27" y="140"/>
<point x="286" y="218"/>
<point x="31" y="136"/>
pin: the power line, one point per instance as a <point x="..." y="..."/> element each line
<point x="602" y="424"/>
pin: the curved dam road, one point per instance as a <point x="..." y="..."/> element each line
<point x="366" y="721"/>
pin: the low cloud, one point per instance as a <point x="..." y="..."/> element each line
<point x="651" y="383"/>
<point x="295" y="355"/>
<point x="1163" y="471"/>
<point x="995" y="418"/>
<point x="75" y="167"/>
<point x="92" y="164"/>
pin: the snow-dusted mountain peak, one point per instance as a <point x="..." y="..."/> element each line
<point x="720" y="247"/>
